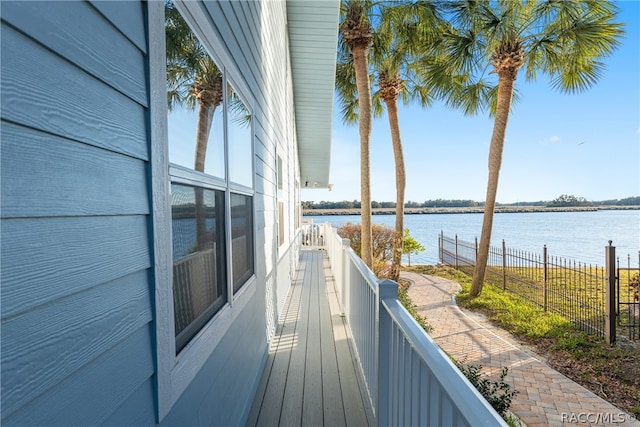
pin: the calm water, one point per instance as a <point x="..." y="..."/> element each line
<point x="579" y="236"/>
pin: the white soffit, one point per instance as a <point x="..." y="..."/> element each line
<point x="313" y="39"/>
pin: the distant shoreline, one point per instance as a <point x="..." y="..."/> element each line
<point x="461" y="210"/>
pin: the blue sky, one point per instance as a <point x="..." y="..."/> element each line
<point x="585" y="144"/>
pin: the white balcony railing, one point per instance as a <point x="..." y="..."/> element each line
<point x="409" y="379"/>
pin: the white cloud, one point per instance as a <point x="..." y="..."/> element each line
<point x="553" y="139"/>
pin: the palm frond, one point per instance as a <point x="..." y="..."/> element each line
<point x="377" y="107"/>
<point x="578" y="76"/>
<point x="238" y="111"/>
<point x="188" y="61"/>
<point x="571" y="47"/>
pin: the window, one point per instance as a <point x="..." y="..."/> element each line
<point x="204" y="234"/>
<point x="199" y="279"/>
<point x="280" y="174"/>
<point x="280" y="223"/>
<point x="280" y="184"/>
<point x="242" y="239"/>
<point x="211" y="152"/>
<point x="196" y="100"/>
<point x="239" y="138"/>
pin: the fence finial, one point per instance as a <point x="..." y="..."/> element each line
<point x="610" y="242"/>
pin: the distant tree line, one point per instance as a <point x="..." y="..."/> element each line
<point x="564" y="200"/>
<point x="441" y="203"/>
<point x="629" y="201"/>
<point x="355" y="204"/>
<point x="345" y="204"/>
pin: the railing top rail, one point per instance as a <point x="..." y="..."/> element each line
<point x="334" y="235"/>
<point x="365" y="271"/>
<point x="468" y="400"/>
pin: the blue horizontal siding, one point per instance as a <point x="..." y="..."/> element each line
<point x="75" y="31"/>
<point x="64" y="100"/>
<point x="127" y="17"/>
<point x="44" y="346"/>
<point x="138" y="410"/>
<point x="45" y="259"/>
<point x="222" y="392"/>
<point x="61" y="172"/>
<point x="75" y="291"/>
<point x="89" y="396"/>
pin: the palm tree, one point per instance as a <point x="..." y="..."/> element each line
<point x="193" y="78"/>
<point x="391" y="85"/>
<point x="407" y="34"/>
<point x="565" y="40"/>
<point x="356" y="33"/>
<point x="403" y="32"/>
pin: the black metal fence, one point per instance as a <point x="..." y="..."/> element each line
<point x="601" y="300"/>
<point x="628" y="298"/>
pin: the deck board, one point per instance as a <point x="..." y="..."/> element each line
<point x="331" y="385"/>
<point x="310" y="376"/>
<point x="292" y="403"/>
<point x="312" y="402"/>
<point x="272" y="384"/>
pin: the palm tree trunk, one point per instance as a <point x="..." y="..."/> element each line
<point x="505" y="93"/>
<point x="394" y="125"/>
<point x="205" y="117"/>
<point x="361" y="67"/>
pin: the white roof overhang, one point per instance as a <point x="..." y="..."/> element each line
<point x="313" y="39"/>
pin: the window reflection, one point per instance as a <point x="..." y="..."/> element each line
<point x="195" y="100"/>
<point x="242" y="239"/>
<point x="239" y="135"/>
<point x="199" y="284"/>
<point x="210" y="131"/>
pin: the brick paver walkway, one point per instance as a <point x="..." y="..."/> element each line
<point x="545" y="397"/>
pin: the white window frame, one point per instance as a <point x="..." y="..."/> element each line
<point x="176" y="372"/>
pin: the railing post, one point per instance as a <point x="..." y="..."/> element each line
<point x="387" y="289"/>
<point x="346" y="275"/>
<point x="504" y="265"/>
<point x="456" y="252"/>
<point x="441" y="246"/>
<point x="610" y="320"/>
<point x="475" y="258"/>
<point x="326" y="233"/>
<point x="545" y="276"/>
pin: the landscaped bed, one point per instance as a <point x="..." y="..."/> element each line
<point x="611" y="372"/>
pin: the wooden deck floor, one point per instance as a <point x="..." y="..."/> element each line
<point x="310" y="377"/>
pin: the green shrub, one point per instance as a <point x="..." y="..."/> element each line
<point x="497" y="393"/>
<point x="404" y="298"/>
<point x="383" y="239"/>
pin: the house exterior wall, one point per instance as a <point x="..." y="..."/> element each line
<point x="76" y="306"/>
<point x="79" y="275"/>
